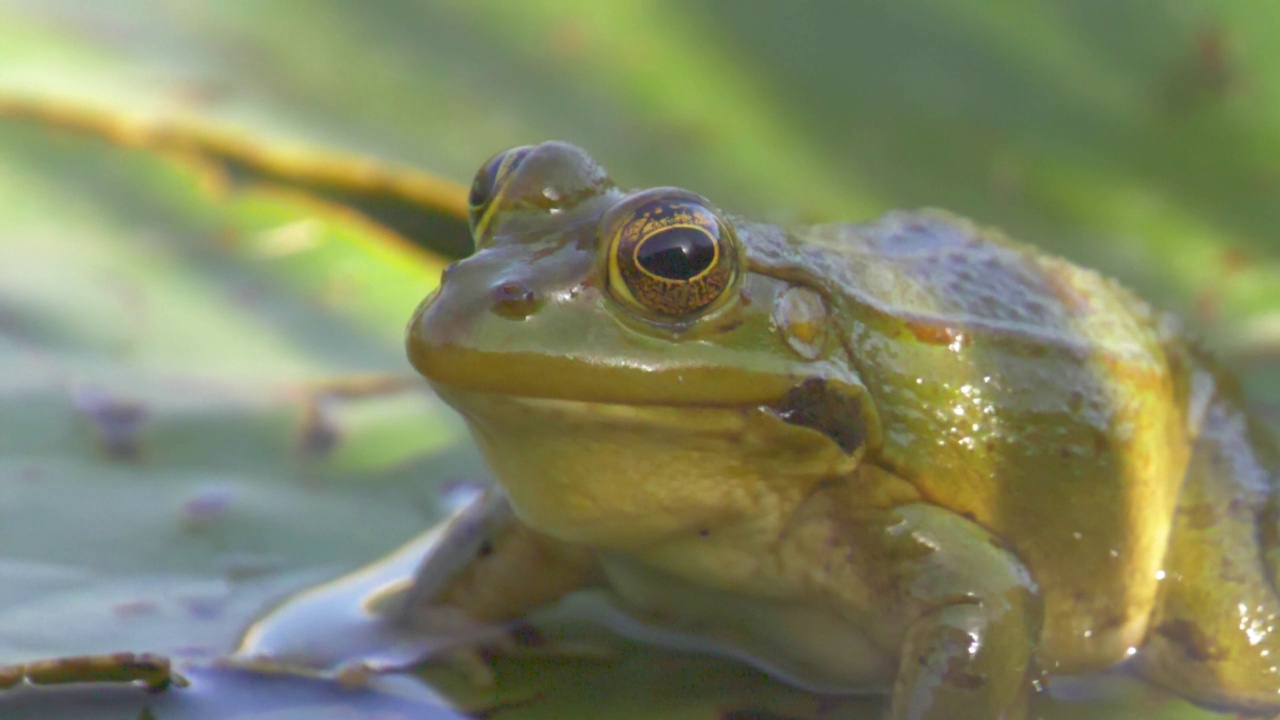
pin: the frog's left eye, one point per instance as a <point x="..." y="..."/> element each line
<point x="489" y="178"/>
<point x="671" y="256"/>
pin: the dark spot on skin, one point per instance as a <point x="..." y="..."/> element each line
<point x="1240" y="509"/>
<point x="703" y="532"/>
<point x="1064" y="453"/>
<point x="526" y="635"/>
<point x="1076" y="401"/>
<point x="1101" y="443"/>
<point x="814" y="404"/>
<point x="1193" y="642"/>
<point x="485" y="549"/>
<point x="1199" y="516"/>
<point x="1106" y="623"/>
<point x="965" y="680"/>
<point x="514" y="301"/>
<point x="731" y="325"/>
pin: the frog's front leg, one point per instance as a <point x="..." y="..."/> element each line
<point x="489" y="567"/>
<point x="966" y="613"/>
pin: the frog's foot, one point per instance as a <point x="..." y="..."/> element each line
<point x="493" y="567"/>
<point x="1213" y="636"/>
<point x="451" y="596"/>
<point x="483" y="576"/>
<point x="474" y="659"/>
<point x="471" y="656"/>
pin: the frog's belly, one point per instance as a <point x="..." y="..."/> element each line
<point x="801" y="643"/>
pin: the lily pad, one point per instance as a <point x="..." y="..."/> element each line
<point x="168" y="360"/>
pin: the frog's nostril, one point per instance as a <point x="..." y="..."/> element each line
<point x="514" y="301"/>
<point x="448" y="270"/>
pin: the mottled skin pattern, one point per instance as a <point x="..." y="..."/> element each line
<point x="911" y="456"/>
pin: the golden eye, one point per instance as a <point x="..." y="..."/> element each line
<point x="670" y="254"/>
<point x="487" y="180"/>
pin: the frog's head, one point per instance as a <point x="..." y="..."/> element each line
<point x="627" y="374"/>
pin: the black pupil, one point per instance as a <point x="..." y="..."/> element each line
<point x="482" y="188"/>
<point x="678" y="253"/>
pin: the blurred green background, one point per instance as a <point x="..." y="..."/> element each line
<point x="203" y="398"/>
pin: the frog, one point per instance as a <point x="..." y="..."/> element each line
<point x="910" y="456"/>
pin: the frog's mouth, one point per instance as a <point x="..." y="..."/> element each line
<point x="662" y="381"/>
<point x="832" y="407"/>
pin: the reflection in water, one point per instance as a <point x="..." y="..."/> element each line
<point x="350" y="624"/>
<point x="218" y="693"/>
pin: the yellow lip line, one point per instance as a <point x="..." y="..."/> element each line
<point x="568" y="406"/>
<point x="567" y="401"/>
<point x="498" y="411"/>
<point x="572" y="404"/>
<point x="527" y="374"/>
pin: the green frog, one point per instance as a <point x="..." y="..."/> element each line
<point x="912" y="456"/>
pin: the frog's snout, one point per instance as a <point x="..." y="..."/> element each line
<point x="509" y="294"/>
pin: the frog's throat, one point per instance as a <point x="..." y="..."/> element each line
<point x="622" y="476"/>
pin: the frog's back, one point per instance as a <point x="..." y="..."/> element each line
<point x="1036" y="397"/>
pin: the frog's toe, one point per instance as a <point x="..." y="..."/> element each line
<point x="473" y="664"/>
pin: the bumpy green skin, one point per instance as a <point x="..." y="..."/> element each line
<point x="911" y="456"/>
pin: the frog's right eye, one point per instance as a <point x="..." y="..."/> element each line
<point x="489" y="180"/>
<point x="672" y="257"/>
